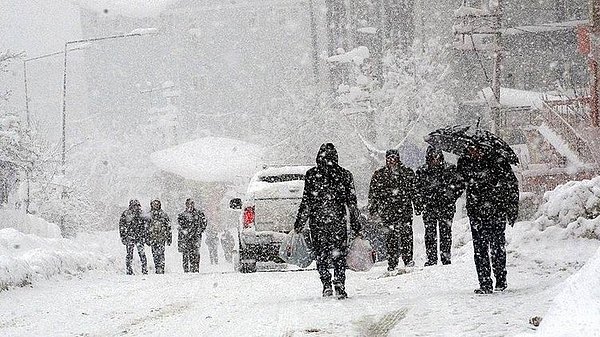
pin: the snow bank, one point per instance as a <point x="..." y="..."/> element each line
<point x="574" y="206"/>
<point x="28" y="224"/>
<point x="27" y="258"/>
<point x="576" y="309"/>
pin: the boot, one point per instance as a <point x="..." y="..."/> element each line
<point x="500" y="287"/>
<point x="327" y="291"/>
<point x="340" y="292"/>
<point x="483" y="291"/>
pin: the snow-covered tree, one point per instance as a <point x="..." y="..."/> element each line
<point x="413" y="99"/>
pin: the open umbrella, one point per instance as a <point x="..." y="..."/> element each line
<point x="457" y="139"/>
<point x="452" y="139"/>
<point x="496" y="144"/>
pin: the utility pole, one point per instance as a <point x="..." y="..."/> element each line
<point x="314" y="36"/>
<point x="474" y="24"/>
<point x="594" y="57"/>
<point x="496" y="109"/>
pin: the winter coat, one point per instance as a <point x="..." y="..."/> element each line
<point x="328" y="195"/>
<point x="392" y="194"/>
<point x="132" y="227"/>
<point x="438" y="186"/>
<point x="159" y="228"/>
<point x="191" y="225"/>
<point x="492" y="188"/>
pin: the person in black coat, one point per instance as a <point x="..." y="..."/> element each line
<point x="191" y="224"/>
<point x="438" y="187"/>
<point x="329" y="195"/>
<point x="132" y="229"/>
<point x="492" y="192"/>
<point x="159" y="234"/>
<point x="392" y="196"/>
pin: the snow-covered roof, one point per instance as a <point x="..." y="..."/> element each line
<point x="274" y="171"/>
<point x="356" y="55"/>
<point x="210" y="159"/>
<point x="518" y="98"/>
<point x="548" y="27"/>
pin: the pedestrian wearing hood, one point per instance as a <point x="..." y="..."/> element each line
<point x="392" y="196"/>
<point x="132" y="229"/>
<point x="438" y="188"/>
<point x="159" y="234"/>
<point x="192" y="223"/>
<point x="329" y="196"/>
<point x="492" y="192"/>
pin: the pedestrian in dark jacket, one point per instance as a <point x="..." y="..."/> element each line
<point x="438" y="187"/>
<point x="132" y="228"/>
<point x="392" y="196"/>
<point x="159" y="234"/>
<point x="492" y="192"/>
<point x="328" y="197"/>
<point x="192" y="223"/>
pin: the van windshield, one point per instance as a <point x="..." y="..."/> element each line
<point x="281" y="178"/>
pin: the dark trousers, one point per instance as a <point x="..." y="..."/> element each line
<point x="489" y="241"/>
<point x="158" y="254"/>
<point x="399" y="242"/>
<point x="191" y="260"/>
<point x="335" y="254"/>
<point x="433" y="221"/>
<point x="129" y="257"/>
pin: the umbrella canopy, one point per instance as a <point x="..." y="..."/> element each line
<point x="457" y="139"/>
<point x="450" y="139"/>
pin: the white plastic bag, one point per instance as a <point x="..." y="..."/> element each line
<point x="361" y="255"/>
<point x="294" y="250"/>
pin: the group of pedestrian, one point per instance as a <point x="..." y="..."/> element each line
<point x="137" y="229"/>
<point x="396" y="193"/>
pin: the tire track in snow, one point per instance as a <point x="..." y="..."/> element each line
<point x="155" y="314"/>
<point x="383" y="327"/>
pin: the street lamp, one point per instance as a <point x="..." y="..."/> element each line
<point x="27" y="113"/>
<point x="25" y="83"/>
<point x="133" y="33"/>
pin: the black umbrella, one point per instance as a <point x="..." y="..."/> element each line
<point x="450" y="139"/>
<point x="458" y="138"/>
<point x="496" y="144"/>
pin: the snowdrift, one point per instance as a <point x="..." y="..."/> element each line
<point x="27" y="258"/>
<point x="576" y="309"/>
<point x="28" y="224"/>
<point x="574" y="206"/>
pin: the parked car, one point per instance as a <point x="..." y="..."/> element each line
<point x="269" y="211"/>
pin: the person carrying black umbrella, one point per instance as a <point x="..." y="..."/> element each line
<point x="391" y="197"/>
<point x="492" y="193"/>
<point x="438" y="187"/>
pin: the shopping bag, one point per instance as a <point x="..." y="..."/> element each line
<point x="294" y="250"/>
<point x="361" y="255"/>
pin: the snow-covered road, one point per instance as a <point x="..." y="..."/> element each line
<point x="435" y="301"/>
